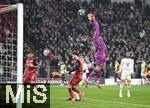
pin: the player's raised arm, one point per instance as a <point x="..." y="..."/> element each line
<point x="95" y="24"/>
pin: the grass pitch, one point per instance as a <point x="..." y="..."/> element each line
<point x="107" y="97"/>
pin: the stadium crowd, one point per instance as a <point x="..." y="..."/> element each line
<point x="56" y="26"/>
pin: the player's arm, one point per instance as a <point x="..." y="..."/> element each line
<point x="27" y="66"/>
<point x="34" y="64"/>
<point x="31" y="65"/>
<point x="95" y="24"/>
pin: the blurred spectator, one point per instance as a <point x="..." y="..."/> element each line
<point x="55" y="24"/>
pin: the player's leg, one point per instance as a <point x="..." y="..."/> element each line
<point x="142" y="79"/>
<point x="121" y="88"/>
<point x="100" y="71"/>
<point x="76" y="95"/>
<point x="63" y="78"/>
<point x="128" y="87"/>
<point x="92" y="74"/>
<point x="117" y="79"/>
<point x="100" y="58"/>
<point x="82" y="82"/>
<point x="69" y="87"/>
<point x="75" y="89"/>
<point x="123" y="82"/>
<point x="70" y="90"/>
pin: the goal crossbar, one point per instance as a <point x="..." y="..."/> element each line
<point x="7" y="8"/>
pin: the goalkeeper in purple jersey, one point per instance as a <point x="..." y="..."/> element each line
<point x="100" y="55"/>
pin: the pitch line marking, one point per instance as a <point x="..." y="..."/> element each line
<point x="112" y="102"/>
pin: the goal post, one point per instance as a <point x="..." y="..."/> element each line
<point x="11" y="47"/>
<point x="19" y="53"/>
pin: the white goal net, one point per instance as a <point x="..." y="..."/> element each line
<point x="10" y="44"/>
<point x="11" y="47"/>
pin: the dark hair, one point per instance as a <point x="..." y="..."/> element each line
<point x="91" y="11"/>
<point x="75" y="53"/>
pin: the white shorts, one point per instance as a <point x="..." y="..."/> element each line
<point x="125" y="76"/>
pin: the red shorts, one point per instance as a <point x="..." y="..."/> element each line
<point x="30" y="77"/>
<point x="75" y="80"/>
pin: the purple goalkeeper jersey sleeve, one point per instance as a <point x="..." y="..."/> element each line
<point x="100" y="55"/>
<point x="97" y="39"/>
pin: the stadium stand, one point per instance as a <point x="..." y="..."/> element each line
<point x="54" y="24"/>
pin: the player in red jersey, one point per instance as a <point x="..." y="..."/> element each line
<point x="77" y="77"/>
<point x="30" y="73"/>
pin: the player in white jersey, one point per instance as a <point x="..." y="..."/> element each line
<point x="125" y="70"/>
<point x="85" y="71"/>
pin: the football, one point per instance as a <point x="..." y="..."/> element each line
<point x="81" y="12"/>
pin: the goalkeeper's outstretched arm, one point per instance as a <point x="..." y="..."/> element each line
<point x="95" y="24"/>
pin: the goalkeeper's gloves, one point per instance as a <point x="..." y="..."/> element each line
<point x="91" y="16"/>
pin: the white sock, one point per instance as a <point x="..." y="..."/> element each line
<point x="120" y="90"/>
<point x="128" y="92"/>
<point x="76" y="95"/>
